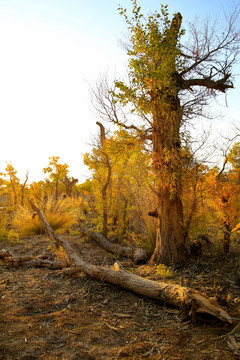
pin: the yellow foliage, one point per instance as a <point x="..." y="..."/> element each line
<point x="164" y="271"/>
<point x="60" y="215"/>
<point x="59" y="253"/>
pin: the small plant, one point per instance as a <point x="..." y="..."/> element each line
<point x="74" y="232"/>
<point x="12" y="236"/>
<point x="61" y="216"/>
<point x="164" y="271"/>
<point x="59" y="253"/>
<point x="6" y="234"/>
<point x="3" y="227"/>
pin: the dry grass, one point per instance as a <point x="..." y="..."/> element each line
<point x="144" y="226"/>
<point x="60" y="215"/>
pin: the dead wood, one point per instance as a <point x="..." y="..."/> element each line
<point x="174" y="294"/>
<point x="29" y="261"/>
<point x="138" y="255"/>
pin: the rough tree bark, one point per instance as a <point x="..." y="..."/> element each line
<point x="167" y="115"/>
<point x="183" y="297"/>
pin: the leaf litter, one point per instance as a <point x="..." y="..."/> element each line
<point x="45" y="315"/>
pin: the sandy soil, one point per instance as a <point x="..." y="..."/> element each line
<point x="45" y="315"/>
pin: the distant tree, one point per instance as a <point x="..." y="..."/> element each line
<point x="100" y="162"/>
<point x="234" y="159"/>
<point x="85" y="188"/>
<point x="57" y="173"/>
<point x="37" y="189"/>
<point x="14" y="182"/>
<point x="120" y="173"/>
<point x="223" y="198"/>
<point x="69" y="183"/>
<point x="23" y="187"/>
<point x="2" y="188"/>
<point x="169" y="82"/>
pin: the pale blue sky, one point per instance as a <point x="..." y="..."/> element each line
<point x="50" y="51"/>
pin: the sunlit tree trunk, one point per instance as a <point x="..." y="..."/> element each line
<point x="170" y="239"/>
<point x="69" y="183"/>
<point x="23" y="187"/>
<point x="161" y="69"/>
<point x="56" y="191"/>
<point x="170" y="243"/>
<point x="105" y="212"/>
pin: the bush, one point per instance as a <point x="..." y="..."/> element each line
<point x="60" y="215"/>
<point x="3" y="227"/>
<point x="164" y="271"/>
<point x="6" y="234"/>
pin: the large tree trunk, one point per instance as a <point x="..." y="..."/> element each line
<point x="167" y="155"/>
<point x="183" y="297"/>
<point x="170" y="242"/>
<point x="167" y="162"/>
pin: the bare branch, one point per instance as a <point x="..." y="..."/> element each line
<point x="108" y="109"/>
<point x="220" y="85"/>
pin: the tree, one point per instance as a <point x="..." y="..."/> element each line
<point x="23" y="188"/>
<point x="119" y="167"/>
<point x="169" y="82"/>
<point x="38" y="190"/>
<point x="234" y="159"/>
<point x="100" y="162"/>
<point x="14" y="181"/>
<point x="69" y="183"/>
<point x="57" y="172"/>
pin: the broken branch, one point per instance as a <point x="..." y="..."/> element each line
<point x="174" y="294"/>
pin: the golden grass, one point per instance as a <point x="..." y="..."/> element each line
<point x="60" y="215"/>
<point x="144" y="226"/>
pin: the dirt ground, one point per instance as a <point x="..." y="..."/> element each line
<point x="45" y="315"/>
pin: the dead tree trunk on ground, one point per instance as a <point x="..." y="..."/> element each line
<point x="137" y="255"/>
<point x="183" y="297"/>
<point x="30" y="261"/>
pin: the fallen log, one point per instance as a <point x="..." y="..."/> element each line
<point x="174" y="294"/>
<point x="138" y="255"/>
<point x="29" y="261"/>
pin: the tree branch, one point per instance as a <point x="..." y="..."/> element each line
<point x="220" y="85"/>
